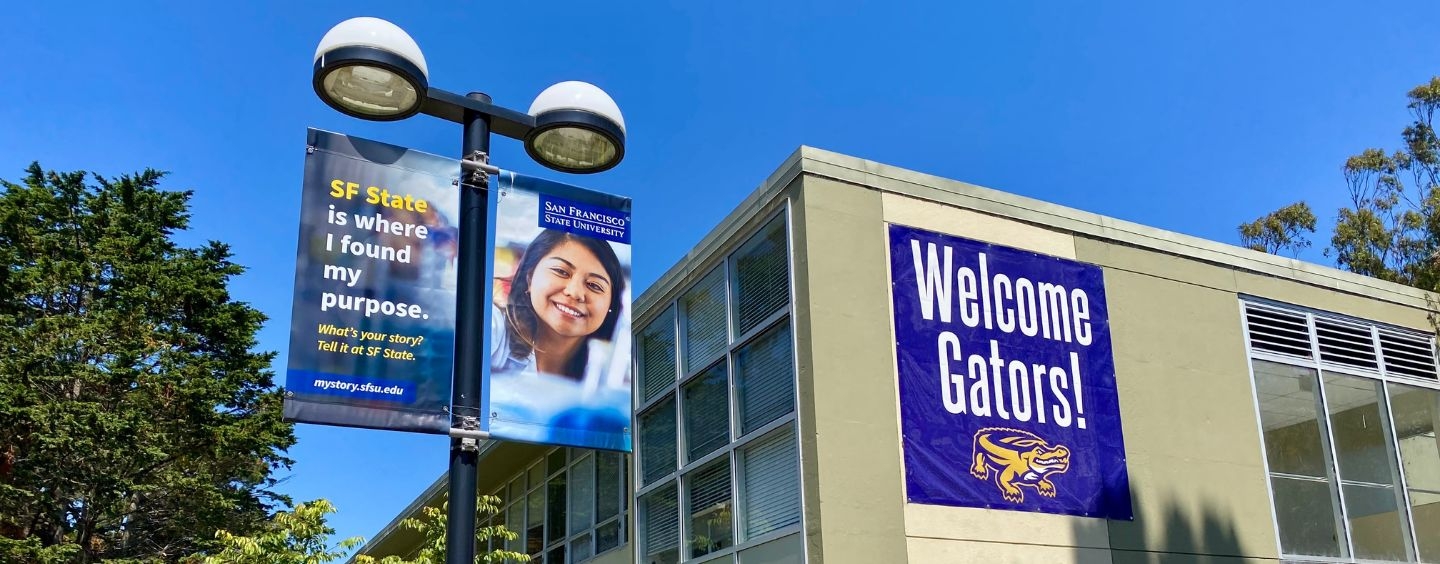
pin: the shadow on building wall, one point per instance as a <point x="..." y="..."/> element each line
<point x="1169" y="531"/>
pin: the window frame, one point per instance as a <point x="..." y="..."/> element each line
<point x="679" y="478"/>
<point x="1320" y="369"/>
<point x="550" y="539"/>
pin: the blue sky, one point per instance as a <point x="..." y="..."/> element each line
<point x="1192" y="117"/>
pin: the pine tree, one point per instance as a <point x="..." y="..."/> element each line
<point x="136" y="418"/>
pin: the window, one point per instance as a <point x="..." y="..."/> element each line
<point x="1348" y="414"/>
<point x="567" y="507"/>
<point x="1416" y="413"/>
<point x="707" y="412"/>
<point x="719" y="462"/>
<point x="704" y="320"/>
<point x="657" y="356"/>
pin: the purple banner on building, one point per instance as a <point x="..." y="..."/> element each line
<point x="1007" y="383"/>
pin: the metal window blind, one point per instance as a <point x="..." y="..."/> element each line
<point x="705" y="334"/>
<point x="661" y="524"/>
<point x="764" y="373"/>
<point x="657" y="355"/>
<point x="762" y="277"/>
<point x="707" y="412"/>
<point x="710" y="507"/>
<point x="771" y="484"/>
<point x="657" y="441"/>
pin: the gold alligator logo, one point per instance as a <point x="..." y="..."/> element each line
<point x="1021" y="459"/>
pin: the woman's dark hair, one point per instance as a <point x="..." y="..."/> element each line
<point x="521" y="315"/>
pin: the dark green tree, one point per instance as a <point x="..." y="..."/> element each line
<point x="1391" y="229"/>
<point x="136" y="418"/>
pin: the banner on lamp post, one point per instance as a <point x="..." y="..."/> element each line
<point x="372" y="333"/>
<point x="558" y="337"/>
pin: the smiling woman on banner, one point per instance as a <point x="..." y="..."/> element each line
<point x="566" y="291"/>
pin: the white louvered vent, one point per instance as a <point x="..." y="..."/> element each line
<point x="1345" y="343"/>
<point x="1277" y="330"/>
<point x="1341" y="341"/>
<point x="1408" y="354"/>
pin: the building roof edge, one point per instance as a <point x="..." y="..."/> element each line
<point x="887" y="178"/>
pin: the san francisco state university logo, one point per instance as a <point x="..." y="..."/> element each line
<point x="1020" y="458"/>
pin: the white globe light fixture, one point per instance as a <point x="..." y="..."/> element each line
<point x="578" y="129"/>
<point x="371" y="69"/>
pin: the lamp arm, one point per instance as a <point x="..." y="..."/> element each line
<point x="450" y="106"/>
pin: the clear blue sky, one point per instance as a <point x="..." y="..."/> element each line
<point x="1191" y="118"/>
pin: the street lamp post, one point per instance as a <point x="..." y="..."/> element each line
<point x="371" y="69"/>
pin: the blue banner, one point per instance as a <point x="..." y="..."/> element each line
<point x="559" y="323"/>
<point x="372" y="327"/>
<point x="1007" y="382"/>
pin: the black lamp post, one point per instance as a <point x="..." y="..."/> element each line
<point x="370" y="69"/>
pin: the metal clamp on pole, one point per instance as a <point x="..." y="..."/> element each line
<point x="469" y="433"/>
<point x="477" y="169"/>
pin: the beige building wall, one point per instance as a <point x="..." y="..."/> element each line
<point x="1194" y="457"/>
<point x="1192" y="439"/>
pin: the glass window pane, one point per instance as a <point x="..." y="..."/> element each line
<point x="556" y="506"/>
<point x="707" y="412"/>
<point x="660" y="526"/>
<point x="537" y="475"/>
<point x="1425" y="510"/>
<point x="535" y="522"/>
<point x="711" y="507"/>
<point x="1305" y="511"/>
<point x="608" y="485"/>
<point x="704" y="321"/>
<point x="657" y="441"/>
<point x="556" y="555"/>
<point x="608" y="536"/>
<point x="515" y="522"/>
<point x="580" y="549"/>
<point x="555" y="462"/>
<point x="761" y="275"/>
<point x="1416" y="414"/>
<point x="517" y="490"/>
<point x="770" y="472"/>
<point x="1306" y="505"/>
<point x="582" y="494"/>
<point x="764" y="379"/>
<point x="784" y="550"/>
<point x="1368" y="468"/>
<point x="1374" y="522"/>
<point x="657" y="355"/>
<point x="1362" y="446"/>
<point x="1289" y="400"/>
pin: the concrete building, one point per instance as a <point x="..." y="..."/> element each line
<point x="1268" y="409"/>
